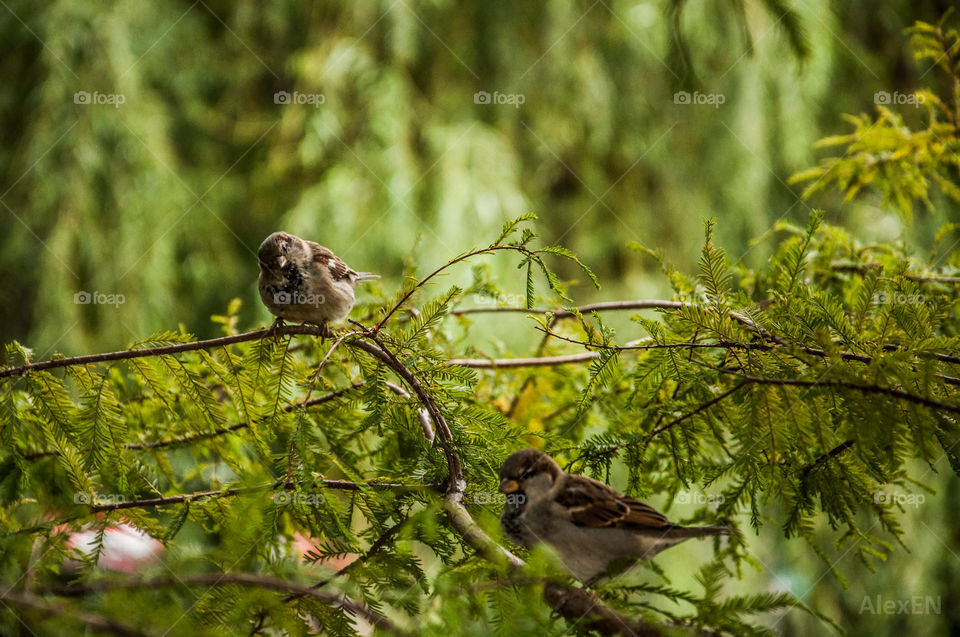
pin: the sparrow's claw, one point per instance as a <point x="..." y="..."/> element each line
<point x="274" y="329"/>
<point x="593" y="580"/>
<point x="325" y="331"/>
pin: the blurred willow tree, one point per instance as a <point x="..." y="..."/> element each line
<point x="164" y="198"/>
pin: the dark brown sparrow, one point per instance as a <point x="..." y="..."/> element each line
<point x="304" y="281"/>
<point x="589" y="524"/>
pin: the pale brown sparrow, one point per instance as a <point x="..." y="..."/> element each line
<point x="590" y="525"/>
<point x="304" y="281"/>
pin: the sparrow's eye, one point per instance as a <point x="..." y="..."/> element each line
<point x="526" y="474"/>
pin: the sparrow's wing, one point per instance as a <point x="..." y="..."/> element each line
<point x="324" y="256"/>
<point x="594" y="504"/>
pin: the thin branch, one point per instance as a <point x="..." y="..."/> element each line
<point x="707" y="405"/>
<point x="640" y="345"/>
<point x="225" y="579"/>
<point x="378" y="544"/>
<point x="640" y="304"/>
<point x="176" y="348"/>
<point x="826" y="457"/>
<point x="326" y="357"/>
<point x="866" y="389"/>
<point x="534" y="361"/>
<point x="339" y="485"/>
<point x="311" y="330"/>
<point x="585" y="607"/>
<point x="462" y="257"/>
<point x="455" y="482"/>
<point x="95" y="622"/>
<point x="650" y="344"/>
<point x="189" y="439"/>
<point x="865" y="267"/>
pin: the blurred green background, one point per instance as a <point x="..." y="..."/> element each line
<point x="164" y="198"/>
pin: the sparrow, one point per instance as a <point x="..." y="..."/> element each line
<point x="303" y="281"/>
<point x="592" y="527"/>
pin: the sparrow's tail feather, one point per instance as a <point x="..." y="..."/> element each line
<point x="665" y="537"/>
<point x="685" y="532"/>
<point x="363" y="276"/>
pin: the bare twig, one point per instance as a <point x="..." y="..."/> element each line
<point x="462" y="257"/>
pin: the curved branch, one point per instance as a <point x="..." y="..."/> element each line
<point x="455" y="482"/>
<point x="224" y="579"/>
<point x="575" y="605"/>
<point x="96" y="622"/>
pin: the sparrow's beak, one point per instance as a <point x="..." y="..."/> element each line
<point x="509" y="486"/>
<point x="281" y="261"/>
